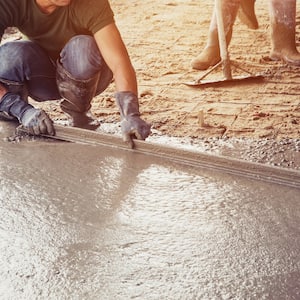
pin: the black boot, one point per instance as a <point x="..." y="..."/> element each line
<point x="77" y="95"/>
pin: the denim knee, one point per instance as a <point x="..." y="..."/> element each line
<point x="81" y="57"/>
<point x="19" y="58"/>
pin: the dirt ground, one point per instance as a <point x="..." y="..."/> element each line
<point x="163" y="37"/>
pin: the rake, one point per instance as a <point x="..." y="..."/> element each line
<point x="225" y="60"/>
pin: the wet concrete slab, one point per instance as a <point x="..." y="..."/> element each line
<point x="93" y="222"/>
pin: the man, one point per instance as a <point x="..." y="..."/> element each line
<point x="72" y="52"/>
<point x="283" y="22"/>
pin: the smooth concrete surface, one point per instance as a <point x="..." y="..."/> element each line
<point x="91" y="222"/>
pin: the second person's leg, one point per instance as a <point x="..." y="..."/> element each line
<point x="283" y="23"/>
<point x="211" y="53"/>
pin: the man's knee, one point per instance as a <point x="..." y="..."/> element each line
<point x="81" y="57"/>
<point x="81" y="43"/>
<point x="16" y="56"/>
<point x="12" y="51"/>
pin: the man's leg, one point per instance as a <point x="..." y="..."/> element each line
<point x="283" y="22"/>
<point x="26" y="69"/>
<point x="211" y="53"/>
<point x="247" y="15"/>
<point x="81" y="74"/>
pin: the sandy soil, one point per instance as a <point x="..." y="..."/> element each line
<point x="163" y="37"/>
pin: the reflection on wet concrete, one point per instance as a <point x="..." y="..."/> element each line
<point x="90" y="222"/>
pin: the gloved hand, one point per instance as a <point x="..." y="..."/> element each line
<point x="132" y="126"/>
<point x="36" y="121"/>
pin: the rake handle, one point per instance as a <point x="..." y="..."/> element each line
<point x="222" y="41"/>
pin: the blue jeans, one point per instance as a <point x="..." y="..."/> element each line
<point x="26" y="63"/>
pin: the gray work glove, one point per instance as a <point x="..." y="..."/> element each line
<point x="34" y="120"/>
<point x="132" y="126"/>
<point x="37" y="122"/>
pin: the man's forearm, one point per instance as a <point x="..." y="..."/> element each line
<point x="125" y="80"/>
<point x="115" y="54"/>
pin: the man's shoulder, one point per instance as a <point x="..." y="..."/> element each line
<point x="91" y="14"/>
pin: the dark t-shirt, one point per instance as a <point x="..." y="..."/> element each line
<point x="53" y="31"/>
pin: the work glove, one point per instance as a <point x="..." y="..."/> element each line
<point x="132" y="126"/>
<point x="34" y="120"/>
<point x="37" y="122"/>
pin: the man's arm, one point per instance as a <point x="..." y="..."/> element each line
<point x="116" y="56"/>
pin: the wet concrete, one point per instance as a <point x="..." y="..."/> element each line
<point x="91" y="222"/>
